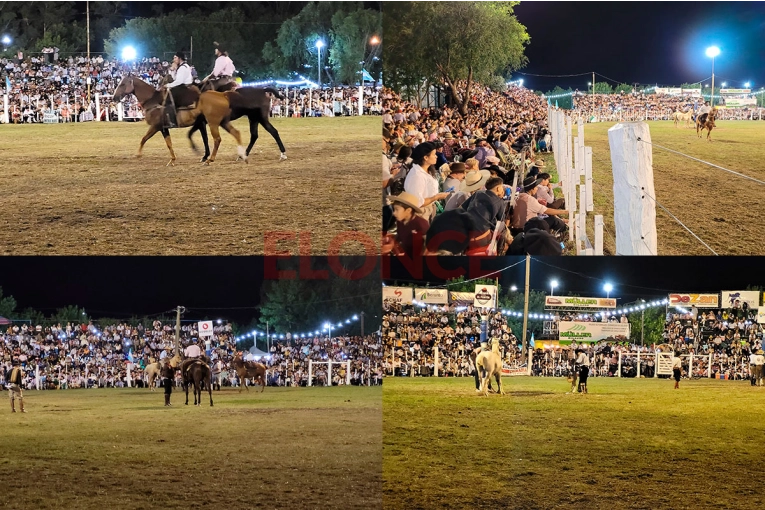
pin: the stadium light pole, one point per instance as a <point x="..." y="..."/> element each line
<point x="319" y="46"/>
<point x="713" y="51"/>
<point x="553" y="284"/>
<point x="608" y="288"/>
<point x="513" y="288"/>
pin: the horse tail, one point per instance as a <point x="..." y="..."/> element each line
<point x="274" y="92"/>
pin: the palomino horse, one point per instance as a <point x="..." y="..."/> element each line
<point x="213" y="105"/>
<point x="197" y="373"/>
<point x="490" y="364"/>
<point x="152" y="371"/>
<point x="686" y="117"/>
<point x="253" y="103"/>
<point x="247" y="369"/>
<point x="708" y="124"/>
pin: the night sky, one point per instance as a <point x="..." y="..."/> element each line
<point x="644" y="42"/>
<point x="632" y="277"/>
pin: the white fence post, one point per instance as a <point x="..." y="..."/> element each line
<point x="598" y="234"/>
<point x="310" y="373"/>
<point x="361" y="98"/>
<point x="620" y="364"/>
<point x="6" y="115"/>
<point x="709" y="366"/>
<point x="634" y="212"/>
<point x="638" y="364"/>
<point x="435" y="361"/>
<point x="120" y="111"/>
<point x="98" y="107"/>
<point x="690" y="367"/>
<point x="590" y="206"/>
<point x="329" y="373"/>
<point x="348" y="373"/>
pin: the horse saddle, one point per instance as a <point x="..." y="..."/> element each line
<point x="185" y="97"/>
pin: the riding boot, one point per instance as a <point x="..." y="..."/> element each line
<point x="21" y="404"/>
<point x="13" y="407"/>
<point x="167" y="400"/>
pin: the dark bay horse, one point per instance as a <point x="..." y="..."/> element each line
<point x="197" y="373"/>
<point x="248" y="369"/>
<point x="251" y="102"/>
<point x="191" y="103"/>
<point x="708" y="124"/>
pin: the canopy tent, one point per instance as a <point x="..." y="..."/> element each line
<point x="4" y="321"/>
<point x="254" y="354"/>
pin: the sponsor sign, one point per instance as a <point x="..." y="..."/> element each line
<point x="735" y="91"/>
<point x="485" y="296"/>
<point x="750" y="297"/>
<point x="510" y="371"/>
<point x="569" y="331"/>
<point x="740" y="102"/>
<point x="691" y="92"/>
<point x="585" y="302"/>
<point x="697" y="300"/>
<point x="668" y="90"/>
<point x="761" y="316"/>
<point x="401" y="295"/>
<point x="432" y="296"/>
<point x="205" y="329"/>
<point x="461" y="297"/>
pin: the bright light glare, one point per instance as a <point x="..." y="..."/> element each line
<point x="6" y="40"/>
<point x="713" y="51"/>
<point x="554" y="283"/>
<point x="320" y="44"/>
<point x="608" y="287"/>
<point x="128" y="53"/>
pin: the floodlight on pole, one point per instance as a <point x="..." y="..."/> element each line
<point x="513" y="288"/>
<point x="128" y="53"/>
<point x="724" y="84"/>
<point x="747" y="84"/>
<point x="712" y="52"/>
<point x="553" y="284"/>
<point x="608" y="288"/>
<point x="319" y="46"/>
<point x="6" y="40"/>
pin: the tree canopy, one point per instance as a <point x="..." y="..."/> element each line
<point x="445" y="42"/>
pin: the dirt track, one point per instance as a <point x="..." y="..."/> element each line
<point x="79" y="190"/>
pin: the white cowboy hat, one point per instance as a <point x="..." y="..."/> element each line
<point x="474" y="180"/>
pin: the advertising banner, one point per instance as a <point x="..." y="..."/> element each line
<point x="403" y="295"/>
<point x="668" y="90"/>
<point x="579" y="302"/>
<point x="463" y="298"/>
<point x="485" y="296"/>
<point x="761" y="316"/>
<point x="735" y="91"/>
<point x="569" y="331"/>
<point x="740" y="102"/>
<point x="692" y="92"/>
<point x="750" y="297"/>
<point x="432" y="296"/>
<point x="205" y="329"/>
<point x="697" y="300"/>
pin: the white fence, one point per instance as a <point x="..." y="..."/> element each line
<point x="329" y="364"/>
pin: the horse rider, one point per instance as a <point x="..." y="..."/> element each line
<point x="15" y="379"/>
<point x="181" y="73"/>
<point x="223" y="73"/>
<point x="703" y="112"/>
<point x="168" y="374"/>
<point x="193" y="353"/>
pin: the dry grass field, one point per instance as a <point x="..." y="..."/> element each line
<point x="122" y="449"/>
<point x="629" y="443"/>
<point x="724" y="210"/>
<point x="77" y="189"/>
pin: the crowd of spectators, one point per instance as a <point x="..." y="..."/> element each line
<point x="86" y="356"/>
<point x="642" y="106"/>
<point x="455" y="184"/>
<point x="718" y="344"/>
<point x="57" y="84"/>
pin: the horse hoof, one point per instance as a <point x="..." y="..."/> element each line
<point x="207" y="163"/>
<point x="170" y="163"/>
<point x="138" y="156"/>
<point x="282" y="157"/>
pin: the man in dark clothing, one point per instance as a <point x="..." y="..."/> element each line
<point x="15" y="379"/>
<point x="168" y="374"/>
<point x="535" y="239"/>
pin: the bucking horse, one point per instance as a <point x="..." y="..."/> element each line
<point x="706" y="121"/>
<point x="248" y="369"/>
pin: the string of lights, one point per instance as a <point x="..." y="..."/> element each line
<point x="327" y="326"/>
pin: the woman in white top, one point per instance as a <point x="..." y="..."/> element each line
<point x="420" y="183"/>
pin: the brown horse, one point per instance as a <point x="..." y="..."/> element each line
<point x="197" y="373"/>
<point x="708" y="124"/>
<point x="251" y="102"/>
<point x="191" y="105"/>
<point x="248" y="369"/>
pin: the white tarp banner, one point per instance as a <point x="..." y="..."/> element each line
<point x="432" y="296"/>
<point x="750" y="297"/>
<point x="403" y="295"/>
<point x="205" y="329"/>
<point x="485" y="296"/>
<point x="761" y="316"/>
<point x="569" y="331"/>
<point x="697" y="300"/>
<point x="587" y="302"/>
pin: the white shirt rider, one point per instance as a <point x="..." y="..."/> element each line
<point x="182" y="75"/>
<point x="192" y="351"/>
<point x="704" y="109"/>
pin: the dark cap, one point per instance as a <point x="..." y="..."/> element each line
<point x="422" y="150"/>
<point x="529" y="183"/>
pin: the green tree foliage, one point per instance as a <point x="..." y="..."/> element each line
<point x="7" y="306"/>
<point x="445" y="42"/>
<point x="653" y="326"/>
<point x="70" y="313"/>
<point x="351" y="36"/>
<point x="565" y="101"/>
<point x="602" y="87"/>
<point x="623" y="87"/>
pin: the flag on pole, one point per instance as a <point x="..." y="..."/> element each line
<point x="130" y="355"/>
<point x="556" y="103"/>
<point x="7" y="85"/>
<point x="532" y="343"/>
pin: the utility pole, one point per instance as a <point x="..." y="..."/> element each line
<point x="268" y="347"/>
<point x="87" y="23"/>
<point x="526" y="310"/>
<point x="642" y="324"/>
<point x="362" y="324"/>
<point x="593" y="84"/>
<point x="179" y="311"/>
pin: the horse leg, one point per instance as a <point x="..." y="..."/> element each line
<point x="151" y="132"/>
<point x="203" y="132"/>
<point x="253" y="132"/>
<point x="209" y="390"/>
<point x="215" y="132"/>
<point x="186" y="385"/>
<point x="273" y="132"/>
<point x="262" y="383"/>
<point x="238" y="137"/>
<point x="169" y="142"/>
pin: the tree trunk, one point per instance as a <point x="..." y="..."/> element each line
<point x="466" y="98"/>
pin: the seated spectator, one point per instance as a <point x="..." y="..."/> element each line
<point x="410" y="227"/>
<point x="527" y="207"/>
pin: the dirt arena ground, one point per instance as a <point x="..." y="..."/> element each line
<point x="121" y="448"/>
<point x="77" y="189"/>
<point x="627" y="444"/>
<point x="722" y="209"/>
